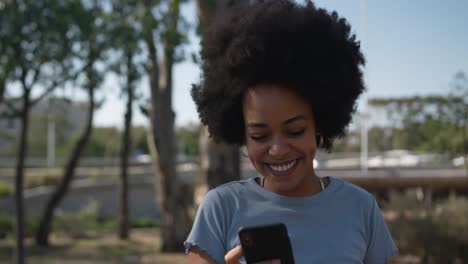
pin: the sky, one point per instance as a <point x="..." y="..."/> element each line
<point x="411" y="47"/>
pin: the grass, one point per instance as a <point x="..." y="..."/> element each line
<point x="142" y="247"/>
<point x="5" y="188"/>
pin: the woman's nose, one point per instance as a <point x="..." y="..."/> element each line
<point x="278" y="148"/>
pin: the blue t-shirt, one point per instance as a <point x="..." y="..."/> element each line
<point x="341" y="224"/>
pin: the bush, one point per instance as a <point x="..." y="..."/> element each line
<point x="78" y="225"/>
<point x="145" y="222"/>
<point x="6" y="225"/>
<point x="84" y="224"/>
<point x="5" y="188"/>
<point x="437" y="232"/>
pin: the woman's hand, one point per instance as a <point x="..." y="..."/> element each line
<point x="234" y="256"/>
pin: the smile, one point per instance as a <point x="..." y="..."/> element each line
<point x="282" y="168"/>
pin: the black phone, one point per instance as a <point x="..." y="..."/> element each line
<point x="267" y="242"/>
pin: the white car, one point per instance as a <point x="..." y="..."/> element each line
<point x="459" y="161"/>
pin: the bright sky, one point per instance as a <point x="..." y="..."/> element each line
<point x="412" y="48"/>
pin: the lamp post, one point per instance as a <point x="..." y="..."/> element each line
<point x="364" y="115"/>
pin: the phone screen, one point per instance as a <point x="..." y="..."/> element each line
<point x="266" y="242"/>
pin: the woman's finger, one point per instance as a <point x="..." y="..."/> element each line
<point x="233" y="256"/>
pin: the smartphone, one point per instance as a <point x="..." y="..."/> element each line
<point x="266" y="242"/>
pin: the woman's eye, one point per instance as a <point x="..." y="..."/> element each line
<point x="296" y="133"/>
<point x="258" y="137"/>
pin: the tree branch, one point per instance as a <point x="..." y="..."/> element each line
<point x="54" y="85"/>
<point x="13" y="111"/>
<point x="35" y="76"/>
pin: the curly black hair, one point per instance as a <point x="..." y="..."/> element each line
<point x="279" y="42"/>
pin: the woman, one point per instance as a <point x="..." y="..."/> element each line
<point x="283" y="80"/>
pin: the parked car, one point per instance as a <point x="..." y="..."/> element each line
<point x="459" y="161"/>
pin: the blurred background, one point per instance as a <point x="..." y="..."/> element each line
<point x="103" y="158"/>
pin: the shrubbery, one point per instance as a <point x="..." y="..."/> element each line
<point x="436" y="232"/>
<point x="83" y="224"/>
<point x="5" y="188"/>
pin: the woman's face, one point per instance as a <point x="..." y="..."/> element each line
<point x="280" y="138"/>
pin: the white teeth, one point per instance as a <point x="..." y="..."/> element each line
<point x="282" y="168"/>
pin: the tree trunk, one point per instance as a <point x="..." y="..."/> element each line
<point x="42" y="235"/>
<point x="170" y="197"/>
<point x="21" y="157"/>
<point x="2" y="90"/>
<point x="169" y="193"/>
<point x="220" y="163"/>
<point x="126" y="146"/>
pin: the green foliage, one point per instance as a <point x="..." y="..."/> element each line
<point x="437" y="232"/>
<point x="86" y="223"/>
<point x="6" y="225"/>
<point x="380" y="139"/>
<point x="350" y="143"/>
<point x="140" y="139"/>
<point x="144" y="222"/>
<point x="188" y="140"/>
<point x="5" y="188"/>
<point x="104" y="142"/>
<point x="78" y="225"/>
<point x="430" y="124"/>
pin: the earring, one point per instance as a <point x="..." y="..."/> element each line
<point x="244" y="152"/>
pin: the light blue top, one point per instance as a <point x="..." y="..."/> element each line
<point x="342" y="224"/>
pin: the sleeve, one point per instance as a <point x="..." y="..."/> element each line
<point x="208" y="230"/>
<point x="380" y="243"/>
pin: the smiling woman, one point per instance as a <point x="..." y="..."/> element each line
<point x="280" y="133"/>
<point x="283" y="80"/>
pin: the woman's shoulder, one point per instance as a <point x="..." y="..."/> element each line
<point x="353" y="191"/>
<point x="229" y="192"/>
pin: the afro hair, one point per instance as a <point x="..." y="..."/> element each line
<point x="279" y="42"/>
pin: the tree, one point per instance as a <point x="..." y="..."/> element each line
<point x="8" y="61"/>
<point x="170" y="195"/>
<point x="429" y="123"/>
<point x="35" y="54"/>
<point x="92" y="44"/>
<point x="126" y="42"/>
<point x="220" y="163"/>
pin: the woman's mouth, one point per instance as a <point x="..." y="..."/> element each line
<point x="282" y="169"/>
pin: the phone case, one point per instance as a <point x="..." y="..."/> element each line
<point x="267" y="242"/>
